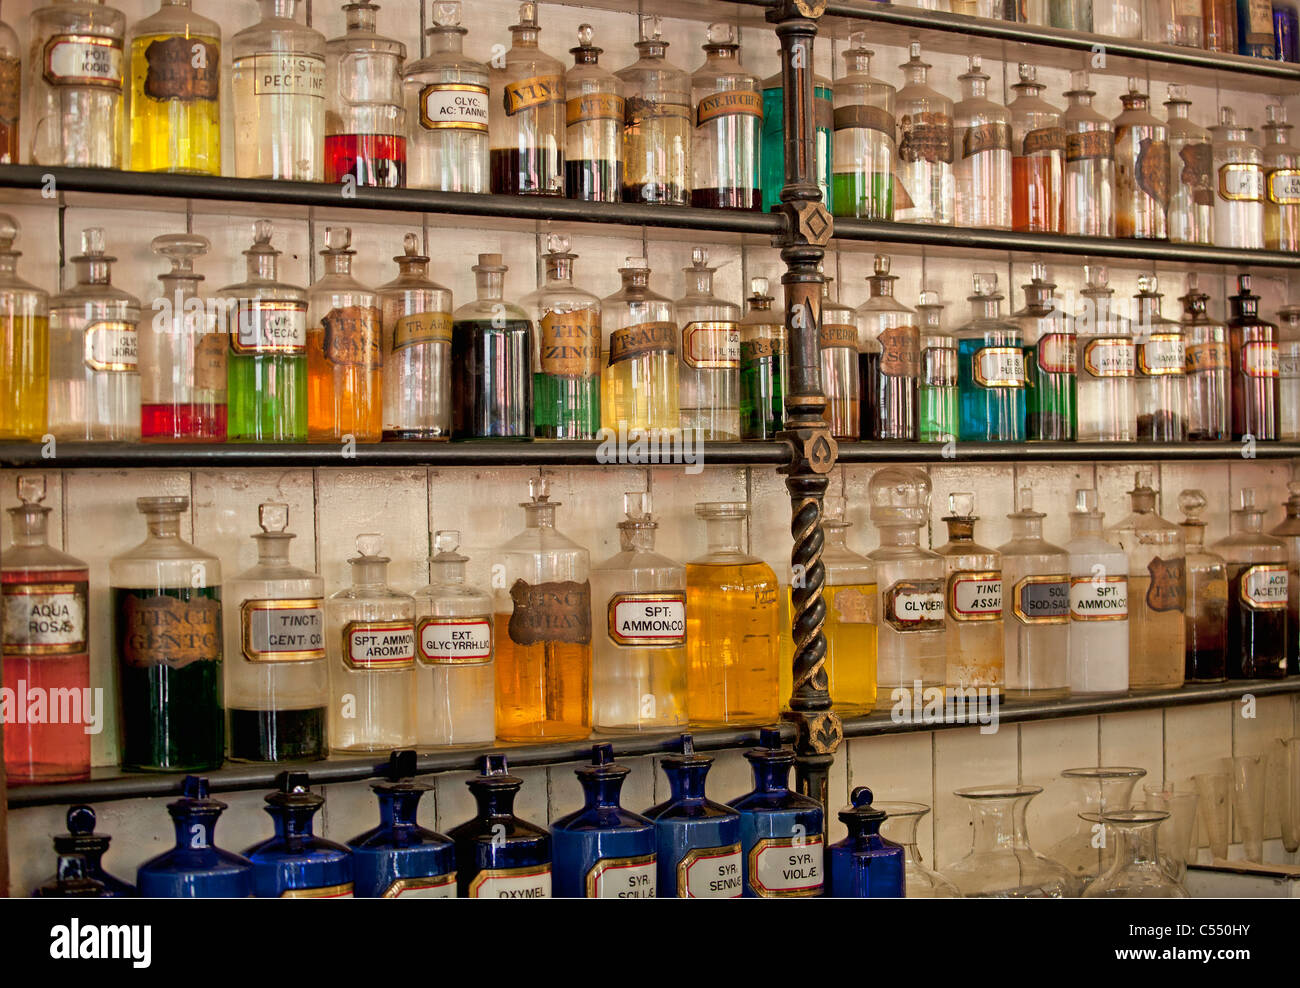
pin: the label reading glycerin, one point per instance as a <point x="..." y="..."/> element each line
<point x="282" y="630"/>
<point x="915" y="605"/>
<point x="454" y="641"/>
<point x="641" y="620"/>
<point x="379" y="645"/>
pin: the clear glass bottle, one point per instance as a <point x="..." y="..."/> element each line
<point x="1161" y="383"/>
<point x="542" y="608"/>
<point x="725" y="145"/>
<point x="1107" y="364"/>
<point x="175" y="91"/>
<point x="344" y="350"/>
<point x="900" y="825"/>
<point x="709" y="385"/>
<point x="864" y="142"/>
<point x="937" y="393"/>
<point x="990" y="369"/>
<point x="1206" y="621"/>
<point x="1038" y="157"/>
<point x="773" y="152"/>
<point x="593" y="134"/>
<point x="45" y="646"/>
<point x="266" y="321"/>
<point x="527" y="135"/>
<point x="1257" y="595"/>
<point x="639" y="665"/>
<point x="657" y="123"/>
<point x="1089" y="164"/>
<point x="762" y="366"/>
<point x="1191" y="183"/>
<point x="94" y="352"/>
<point x="1157" y="591"/>
<point x="566" y="351"/>
<point x="169" y="680"/>
<point x="841" y="376"/>
<point x="1175" y="22"/>
<point x="492" y="349"/>
<point x="640" y="382"/>
<point x="454" y="671"/>
<point x="1073" y="15"/>
<point x="1117" y="18"/>
<point x="277" y="77"/>
<point x="1219" y="22"/>
<point x="982" y="169"/>
<point x="446" y="99"/>
<point x="277" y="677"/>
<point x="1141" y="168"/>
<point x="1289" y="532"/>
<point x="1036" y="607"/>
<point x="365" y="114"/>
<point x="370" y="643"/>
<point x="1138" y="871"/>
<point x="1001" y="863"/>
<point x="1255" y="29"/>
<point x="925" y="188"/>
<point x="75" y="74"/>
<point x="498" y="854"/>
<point x="1282" y="183"/>
<point x="11" y="86"/>
<point x="1051" y="382"/>
<point x="417" y="349"/>
<point x="889" y="347"/>
<point x="1098" y="603"/>
<point x="1253" y="346"/>
<point x="1239" y="184"/>
<point x="1095" y="789"/>
<point x="732" y="639"/>
<point x="1205" y="344"/>
<point x="973" y="602"/>
<point x="24" y="345"/>
<point x="1288" y="372"/>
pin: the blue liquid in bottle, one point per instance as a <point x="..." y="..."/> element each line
<point x="773" y="156"/>
<point x="196" y="868"/>
<point x="990" y="370"/>
<point x="865" y="865"/>
<point x="295" y="863"/>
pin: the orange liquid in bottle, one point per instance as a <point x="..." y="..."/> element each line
<point x="342" y="398"/>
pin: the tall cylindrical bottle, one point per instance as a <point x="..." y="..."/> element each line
<point x="527" y="120"/>
<point x="492" y="350"/>
<point x="1288" y="372"/>
<point x="841" y="372"/>
<point x="1219" y="19"/>
<point x="1282" y="183"/>
<point x="365" y="119"/>
<point x="990" y="369"/>
<point x="973" y="603"/>
<point x="24" y="346"/>
<point x="1239" y="184"/>
<point x="1098" y="603"/>
<point x="726" y="144"/>
<point x="1257" y="595"/>
<point x="1161" y="383"/>
<point x="1036" y="607"/>
<point x="889" y="342"/>
<point x="1038" y="158"/>
<point x="11" y="71"/>
<point x="1141" y="168"/>
<point x="937" y="394"/>
<point x="1191" y="170"/>
<point x="657" y="123"/>
<point x="1089" y="164"/>
<point x="773" y="153"/>
<point x="1207" y="367"/>
<point x="1252" y="343"/>
<point x="416" y="350"/>
<point x="925" y="188"/>
<point x="1107" y="364"/>
<point x="1206" y="622"/>
<point x="709" y="387"/>
<point x="1289" y="533"/>
<point x="762" y="366"/>
<point x="864" y="142"/>
<point x="639" y="386"/>
<point x="982" y="169"/>
<point x="1051" y="381"/>
<point x="593" y="135"/>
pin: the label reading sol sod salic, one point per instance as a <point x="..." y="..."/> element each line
<point x="786" y="866"/>
<point x="455" y="641"/>
<point x="648" y="619"/>
<point x="622" y="878"/>
<point x="710" y="873"/>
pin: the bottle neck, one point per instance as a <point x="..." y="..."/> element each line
<point x="8" y="262"/>
<point x="1276" y="133"/>
<point x="639" y="279"/>
<point x="1085" y="525"/>
<point x="701" y="281"/>
<point x="974" y="88"/>
<point x="539" y="515"/>
<point x="559" y="269"/>
<point x="30" y="525"/>
<point x="447" y="570"/>
<point x="835" y="534"/>
<point x="92" y="271"/>
<point x="771" y="776"/>
<point x="194" y="830"/>
<point x="337" y="263"/>
<point x="369" y="572"/>
<point x="687" y="781"/>
<point x="164" y="526"/>
<point x="293" y="822"/>
<point x="1026" y="528"/>
<point x="261" y="267"/>
<point x="177" y="285"/>
<point x="1136" y="844"/>
<point x="495" y="801"/>
<point x="1178" y="110"/>
<point x="602" y="790"/>
<point x="273" y="548"/>
<point x="280" y="8"/>
<point x="398" y="809"/>
<point x="1193" y="534"/>
<point x="490" y="285"/>
<point x="1247" y="522"/>
<point x="446" y="41"/>
<point x="996" y="825"/>
<point x="905" y="534"/>
<point x="636" y="538"/>
<point x="725" y="534"/>
<point x="986" y="308"/>
<point x="960" y="529"/>
<point x="524" y="36"/>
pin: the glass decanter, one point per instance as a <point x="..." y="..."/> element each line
<point x="1205" y="345"/>
<point x="1289" y="532"/>
<point x="937" y="393"/>
<point x="593" y="133"/>
<point x="1038" y="157"/>
<point x="725" y="145"/>
<point x="1253" y="346"/>
<point x="417" y="349"/>
<point x="657" y="123"/>
<point x="1098" y="603"/>
<point x="526" y="125"/>
<point x="1191" y="186"/>
<point x="1282" y="183"/>
<point x="900" y="826"/>
<point x="1036" y="607"/>
<point x="925" y="189"/>
<point x="1257" y="595"/>
<point x="295" y="863"/>
<point x="1001" y="863"/>
<point x="864" y="144"/>
<point x="1051" y="383"/>
<point x="1089" y="164"/>
<point x="640" y="383"/>
<point x="365" y="117"/>
<point x="1161" y="383"/>
<point x="709" y="382"/>
<point x="1141" y="168"/>
<point x="889" y="341"/>
<point x="982" y="170"/>
<point x="11" y="72"/>
<point x="1206" y="620"/>
<point x="841" y="375"/>
<point x="990" y="369"/>
<point x="1096" y="789"/>
<point x="1137" y="871"/>
<point x="973" y="602"/>
<point x="1239" y="184"/>
<point x="762" y="365"/>
<point x="25" y="343"/>
<point x="1107" y="364"/>
<point x="492" y="347"/>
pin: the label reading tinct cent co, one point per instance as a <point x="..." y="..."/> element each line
<point x="282" y="630"/>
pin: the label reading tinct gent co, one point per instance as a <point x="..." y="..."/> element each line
<point x="282" y="630"/>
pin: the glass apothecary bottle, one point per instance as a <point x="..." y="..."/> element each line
<point x="1095" y="790"/>
<point x="1253" y="346"/>
<point x="1239" y="184"/>
<point x="1161" y="382"/>
<point x="593" y="134"/>
<point x="973" y="602"/>
<point x="1117" y="18"/>
<point x="277" y="77"/>
<point x="446" y="99"/>
<point x="889" y="342"/>
<point x="1089" y="164"/>
<point x="732" y="639"/>
<point x="169" y="682"/>
<point x="277" y="679"/>
<point x="866" y="864"/>
<point x="982" y="169"/>
<point x="454" y="651"/>
<point x="566" y="351"/>
<point x="1073" y="15"/>
<point x="709" y="382"/>
<point x="295" y="863"/>
<point x="196" y="868"/>
<point x="1141" y="168"/>
<point x="498" y="854"/>
<point x="657" y="123"/>
<point x="1289" y="533"/>
<point x="864" y="139"/>
<point x="1098" y="603"/>
<point x="1175" y="22"/>
<point x="1288" y="372"/>
<point x="762" y="366"/>
<point x="1138" y="871"/>
<point x="527" y="131"/>
<point x="773" y="153"/>
<point x="11" y="72"/>
<point x="1282" y="183"/>
<point x="1255" y="29"/>
<point x="492" y="349"/>
<point x="1157" y="592"/>
<point x="725" y="145"/>
<point x="900" y="826"/>
<point x="365" y="115"/>
<point x="1191" y="182"/>
<point x="1206" y="621"/>
<point x="175" y="91"/>
<point x="1035" y="608"/>
<point x="75" y="75"/>
<point x="1106" y="364"/>
<point x="1051" y="382"/>
<point x="990" y="369"/>
<point x="925" y="188"/>
<point x="640" y="383"/>
<point x="841" y="375"/>
<point x="94" y="352"/>
<point x="88" y="848"/>
<point x="266" y="321"/>
<point x="24" y="345"/>
<point x="1205" y="345"/>
<point x="1038" y="157"/>
<point x="416" y="316"/>
<point x="1257" y="595"/>
<point x="937" y="393"/>
<point x="45" y="645"/>
<point x="542" y="621"/>
<point x="1286" y="31"/>
<point x="1001" y="863"/>
<point x="1219" y="23"/>
<point x="370" y="643"/>
<point x="344" y="350"/>
<point x="639" y="664"/>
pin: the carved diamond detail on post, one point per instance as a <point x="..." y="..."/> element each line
<point x="820" y="731"/>
<point x="812" y="222"/>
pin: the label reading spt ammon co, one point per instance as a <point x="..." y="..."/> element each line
<point x="648" y="619"/>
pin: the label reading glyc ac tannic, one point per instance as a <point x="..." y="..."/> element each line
<point x="781" y="867"/>
<point x="648" y="620"/>
<point x="710" y="873"/>
<point x="622" y="878"/>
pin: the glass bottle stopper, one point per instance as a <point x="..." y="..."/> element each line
<point x="8" y="231"/>
<point x="446" y="541"/>
<point x="961" y="504"/>
<point x="858" y="45"/>
<point x="370" y="546"/>
<point x="1247" y="497"/>
<point x="1227" y="116"/>
<point x="687" y="745"/>
<point x="1096" y="276"/>
<point x="1137" y="87"/>
<point x="1177" y="94"/>
<point x="929" y="298"/>
<point x="1191" y="503"/>
<point x="181" y="249"/>
<point x="273" y="516"/>
<point x="557" y="245"/>
<point x="636" y="505"/>
<point x="489" y="262"/>
<point x="720" y="35"/>
<point x="1025" y="501"/>
<point x="861" y="813"/>
<point x="880" y="264"/>
<point x="649" y="29"/>
<point x="974" y="68"/>
<point x="985" y="284"/>
<point x="92" y="243"/>
<point x="411" y="245"/>
<point x="1275" y="114"/>
<point x="401" y="764"/>
<point x="446" y="14"/>
<point x="527" y="14"/>
<point x="81" y="820"/>
<point x="1243" y="284"/>
<point x="1079" y="84"/>
<point x="31" y="488"/>
<point x="914" y="54"/>
<point x="1147" y="284"/>
<point x="770" y="738"/>
<point x="1085" y="501"/>
<point x="585" y="37"/>
<point x="834" y="510"/>
<point x="494" y="764"/>
<point x="1142" y="481"/>
<point x="539" y="489"/>
<point x="1028" y="75"/>
<point x="1038" y="272"/>
<point x="338" y="240"/>
<point x="700" y="258"/>
<point x="758" y="288"/>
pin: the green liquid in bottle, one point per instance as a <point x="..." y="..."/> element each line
<point x="866" y="197"/>
<point x="566" y="407"/>
<point x="938" y="414"/>
<point x="267" y="398"/>
<point x="762" y="398"/>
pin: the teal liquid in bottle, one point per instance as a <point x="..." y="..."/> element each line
<point x="773" y="154"/>
<point x="990" y="370"/>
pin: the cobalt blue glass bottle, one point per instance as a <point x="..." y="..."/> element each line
<point x="1255" y="28"/>
<point x="697" y="841"/>
<point x="70" y="882"/>
<point x="399" y="858"/>
<point x="196" y="868"/>
<point x="1286" y="31"/>
<point x="990" y="370"/>
<point x="498" y="855"/>
<point x="82" y="841"/>
<point x="295" y="863"/>
<point x="604" y="851"/>
<point x="865" y="865"/>
<point x="780" y="831"/>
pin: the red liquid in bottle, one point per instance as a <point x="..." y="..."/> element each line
<point x="373" y="159"/>
<point x="194" y="423"/>
<point x="1035" y="196"/>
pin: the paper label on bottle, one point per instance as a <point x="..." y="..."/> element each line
<point x="637" y="110"/>
<point x="851" y="606"/>
<point x="321" y="892"/>
<point x="1110" y="358"/>
<point x="865" y="118"/>
<point x="710" y="873"/>
<point x="836" y="334"/>
<point x="1090" y="144"/>
<point x="975" y="596"/>
<point x="1196" y="171"/>
<point x="83" y="60"/>
<point x="550" y="612"/>
<point x="10" y="87"/>
<point x="445" y="641"/>
<point x="1151" y="172"/>
<point x="1167" y="590"/>
<point x="285" y="74"/>
<point x="711" y="345"/>
<point x="823" y="110"/>
<point x="1205" y="357"/>
<point x="1042" y="600"/>
<point x="900" y="351"/>
<point x="1264" y="587"/>
<point x="568" y="343"/>
<point x="1056" y="353"/>
<point x="352" y="336"/>
<point x="43" y="618"/>
<point x="1098" y="598"/>
<point x="183" y="69"/>
<point x="999" y="367"/>
<point x="282" y="630"/>
<point x="421" y="327"/>
<point x="1259" y="359"/>
<point x="111" y="346"/>
<point x="593" y="106"/>
<point x="1045" y="140"/>
<point x="210" y="362"/>
<point x="925" y="137"/>
<point x="736" y="102"/>
<point x="531" y="882"/>
<point x="1187" y="8"/>
<point x="1284" y="186"/>
<point x="532" y="92"/>
<point x="1259" y="22"/>
<point x="786" y="867"/>
<point x="167" y="631"/>
<point x="641" y="340"/>
<point x="429" y="887"/>
<point x="915" y="605"/>
<point x="454" y="106"/>
<point x="622" y="878"/>
<point x="640" y="620"/>
<point x="939" y="366"/>
<point x="1161" y="353"/>
<point x="379" y="645"/>
<point x="1241" y="182"/>
<point x="269" y="326"/>
<point x="762" y="348"/>
<point x="991" y="136"/>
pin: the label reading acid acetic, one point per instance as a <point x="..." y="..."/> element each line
<point x="1264" y="587"/>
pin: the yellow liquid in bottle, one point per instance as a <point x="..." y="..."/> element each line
<point x="1156" y="641"/>
<point x="24" y="376"/>
<point x="732" y="644"/>
<point x="543" y="690"/>
<point x="850" y="631"/>
<point x="641" y="393"/>
<point x="172" y="135"/>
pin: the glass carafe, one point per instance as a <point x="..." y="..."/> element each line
<point x="1205" y="346"/>
<point x="1038" y="157"/>
<point x="1001" y="863"/>
<point x="24" y="345"/>
<point x="1089" y="164"/>
<point x="1137" y="871"/>
<point x="841" y="374"/>
<point x="528" y="120"/>
<point x="1257" y="595"/>
<point x="657" y="123"/>
<point x="1161" y="383"/>
<point x="593" y="134"/>
<point x="762" y="366"/>
<point x="1107" y="364"/>
<point x="1051" y="382"/>
<point x="492" y="349"/>
<point x="1096" y="789"/>
<point x="1191" y="185"/>
<point x="725" y="145"/>
<point x="1289" y="533"/>
<point x="982" y="170"/>
<point x="973" y="598"/>
<point x="864" y="143"/>
<point x="709" y="384"/>
<point x="937" y="393"/>
<point x="365" y="119"/>
<point x="1036" y="607"/>
<point x="1239" y="184"/>
<point x="900" y="826"/>
<point x="416" y="349"/>
<point x="1141" y="168"/>
<point x="640" y="383"/>
<point x="889" y="343"/>
<point x="1206" y="622"/>
<point x="1252" y="343"/>
<point x="1098" y="603"/>
<point x="924" y="189"/>
<point x="990" y="369"/>
<point x="1282" y="183"/>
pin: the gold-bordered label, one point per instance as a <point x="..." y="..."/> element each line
<point x="1042" y="599"/>
<point x="622" y="878"/>
<point x="737" y="102"/>
<point x="1241" y="181"/>
<point x="642" y="620"/>
<point x="530" y="882"/>
<point x="711" y="345"/>
<point x="454" y="106"/>
<point x="710" y="873"/>
<point x="371" y="646"/>
<point x="43" y="618"/>
<point x="83" y="60"/>
<point x="421" y="327"/>
<point x="343" y="891"/>
<point x="1284" y="186"/>
<point x="527" y="94"/>
<point x="786" y="867"/>
<point x="593" y="106"/>
<point x="111" y="346"/>
<point x="1098" y="598"/>
<point x="1263" y="587"/>
<point x="1259" y="358"/>
<point x="1056" y="353"/>
<point x="999" y="367"/>
<point x="641" y="340"/>
<point x="270" y="326"/>
<point x="282" y="630"/>
<point x="430" y="887"/>
<point x="445" y="641"/>
<point x="1110" y="357"/>
<point x="915" y="605"/>
<point x="975" y="595"/>
<point x="1205" y="357"/>
<point x="1160" y="354"/>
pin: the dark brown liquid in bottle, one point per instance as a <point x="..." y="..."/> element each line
<point x="529" y="172"/>
<point x="727" y="199"/>
<point x="869" y="375"/>
<point x="1256" y="638"/>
